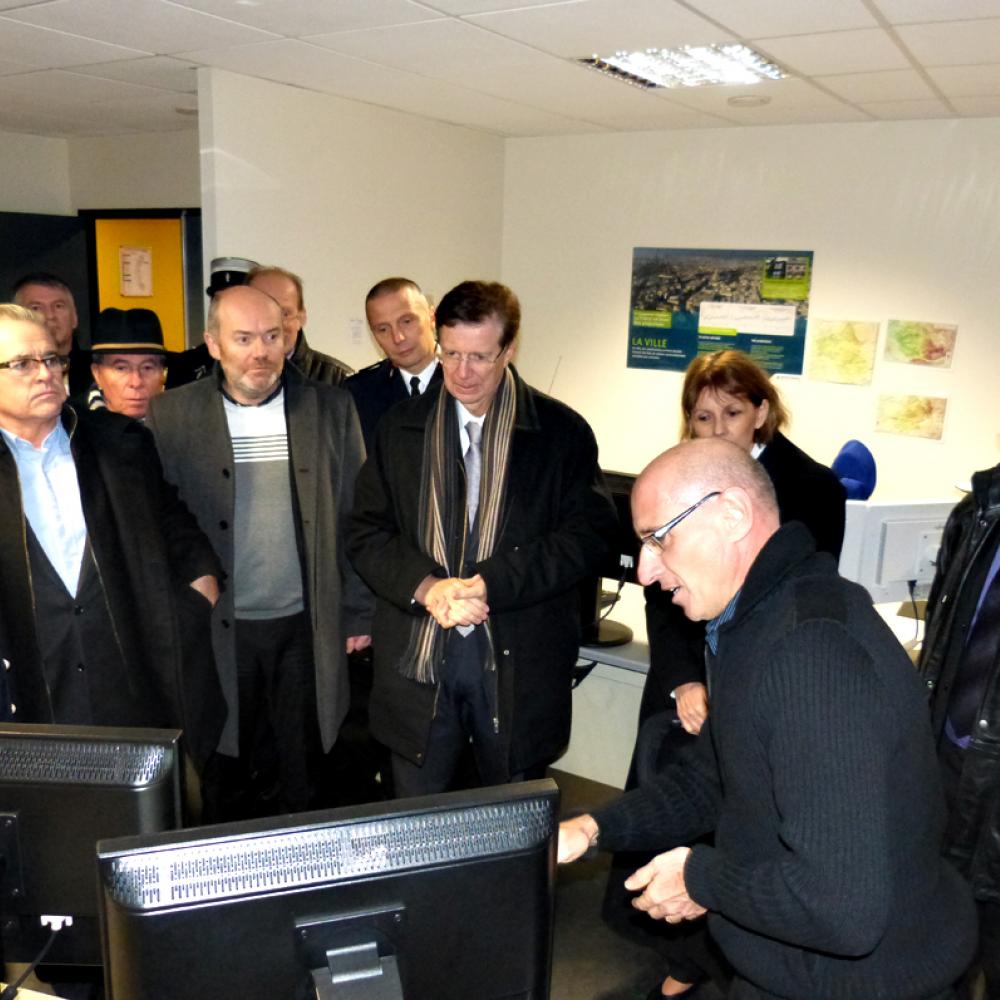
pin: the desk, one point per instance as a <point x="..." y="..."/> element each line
<point x="606" y="704"/>
<point x="25" y="994"/>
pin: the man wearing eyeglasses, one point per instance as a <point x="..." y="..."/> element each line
<point x="100" y="563"/>
<point x="476" y="516"/>
<point x="815" y="769"/>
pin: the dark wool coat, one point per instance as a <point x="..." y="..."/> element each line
<point x="148" y="548"/>
<point x="553" y="527"/>
<point x="325" y="453"/>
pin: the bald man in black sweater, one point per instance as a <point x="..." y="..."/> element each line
<point x="816" y="768"/>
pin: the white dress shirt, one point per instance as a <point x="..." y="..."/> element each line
<point x="50" y="498"/>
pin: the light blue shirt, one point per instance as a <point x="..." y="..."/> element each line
<point x="50" y="497"/>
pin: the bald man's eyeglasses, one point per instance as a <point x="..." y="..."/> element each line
<point x="26" y="367"/>
<point x="654" y="540"/>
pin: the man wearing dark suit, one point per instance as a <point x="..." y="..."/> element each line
<point x="286" y="289"/>
<point x="402" y="323"/>
<point x="103" y="571"/>
<point x="266" y="460"/>
<point x="477" y="514"/>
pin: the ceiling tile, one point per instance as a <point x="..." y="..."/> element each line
<point x="861" y="51"/>
<point x="322" y="70"/>
<point x="294" y="18"/>
<point x="503" y="66"/>
<point x="156" y="114"/>
<point x="154" y="25"/>
<point x="787" y="94"/>
<point x="36" y="123"/>
<point x="977" y="107"/>
<point x="50" y="49"/>
<point x="164" y="72"/>
<point x="656" y="114"/>
<point x="757" y="18"/>
<point x="483" y="6"/>
<point x="466" y="55"/>
<point x="7" y="66"/>
<point x="904" y="110"/>
<point x="916" y="11"/>
<point x="967" y="81"/>
<point x="887" y="85"/>
<point x="833" y="113"/>
<point x="51" y="91"/>
<point x="603" y="27"/>
<point x="962" y="43"/>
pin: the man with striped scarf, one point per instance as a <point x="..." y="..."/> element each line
<point x="476" y="516"/>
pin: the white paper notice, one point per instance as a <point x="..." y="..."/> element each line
<point x="135" y="271"/>
<point x="748" y="317"/>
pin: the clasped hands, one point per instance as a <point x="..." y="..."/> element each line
<point x="664" y="895"/>
<point x="454" y="601"/>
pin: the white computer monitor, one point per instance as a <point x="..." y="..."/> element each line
<point x="888" y="543"/>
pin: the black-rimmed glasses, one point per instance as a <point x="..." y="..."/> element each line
<point x="26" y="367"/>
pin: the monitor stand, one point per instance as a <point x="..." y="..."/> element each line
<point x="352" y="956"/>
<point x="596" y="630"/>
<point x="358" y="973"/>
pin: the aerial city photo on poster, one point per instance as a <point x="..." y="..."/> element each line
<point x="687" y="302"/>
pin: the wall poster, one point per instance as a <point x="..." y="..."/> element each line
<point x="690" y="302"/>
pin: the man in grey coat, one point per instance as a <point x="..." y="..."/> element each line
<point x="266" y="460"/>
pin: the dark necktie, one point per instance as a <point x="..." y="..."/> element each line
<point x="977" y="662"/>
<point x="415" y="385"/>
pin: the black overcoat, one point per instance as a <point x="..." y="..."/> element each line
<point x="553" y="527"/>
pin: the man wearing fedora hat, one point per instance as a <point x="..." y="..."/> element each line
<point x="128" y="360"/>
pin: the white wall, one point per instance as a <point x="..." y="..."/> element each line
<point x="344" y="194"/>
<point x="34" y="174"/>
<point x="154" y="170"/>
<point x="904" y="219"/>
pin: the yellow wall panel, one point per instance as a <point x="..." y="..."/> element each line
<point x="163" y="237"/>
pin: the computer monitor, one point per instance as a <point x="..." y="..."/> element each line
<point x="620" y="564"/>
<point x="447" y="897"/>
<point x="889" y="544"/>
<point x="62" y="789"/>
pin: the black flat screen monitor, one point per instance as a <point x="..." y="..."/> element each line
<point x="448" y="897"/>
<point x="620" y="564"/>
<point x="62" y="789"/>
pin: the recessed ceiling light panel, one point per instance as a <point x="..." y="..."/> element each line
<point x="688" y="66"/>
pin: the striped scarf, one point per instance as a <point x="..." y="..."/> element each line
<point x="442" y="513"/>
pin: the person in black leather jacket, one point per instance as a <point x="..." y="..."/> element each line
<point x="970" y="761"/>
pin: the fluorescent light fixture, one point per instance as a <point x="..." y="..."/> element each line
<point x="687" y="66"/>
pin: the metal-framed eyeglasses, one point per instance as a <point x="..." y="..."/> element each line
<point x="452" y="359"/>
<point x="654" y="540"/>
<point x="26" y="367"/>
